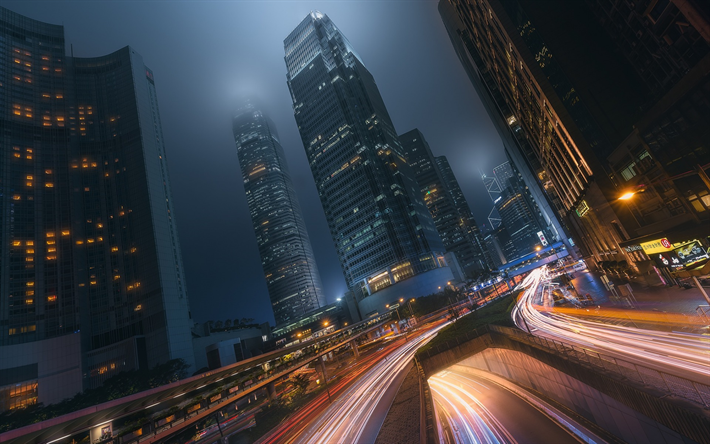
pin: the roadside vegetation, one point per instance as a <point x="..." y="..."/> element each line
<point x="497" y="313"/>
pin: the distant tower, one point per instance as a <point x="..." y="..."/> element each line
<point x="382" y="231"/>
<point x="286" y="255"/>
<point x="457" y="229"/>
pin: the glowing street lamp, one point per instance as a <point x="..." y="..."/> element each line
<point x="627" y="196"/>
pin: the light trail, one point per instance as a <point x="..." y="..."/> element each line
<point x="685" y="355"/>
<point x="469" y="421"/>
<point x="470" y="408"/>
<point x="346" y="419"/>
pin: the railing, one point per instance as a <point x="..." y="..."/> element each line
<point x="669" y="384"/>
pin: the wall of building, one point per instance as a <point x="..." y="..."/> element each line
<point x="420" y="285"/>
<point x="54" y="364"/>
<point x="201" y="344"/>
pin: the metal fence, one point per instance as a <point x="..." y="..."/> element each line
<point x="639" y="374"/>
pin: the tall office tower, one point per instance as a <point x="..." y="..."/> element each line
<point x="286" y="255"/>
<point x="383" y="232"/>
<point x="519" y="213"/>
<point x="91" y="278"/>
<point x="453" y="227"/>
<point x="570" y="98"/>
<point x="503" y="173"/>
<point x="452" y="184"/>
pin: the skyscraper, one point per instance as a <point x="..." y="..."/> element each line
<point x="452" y="184"/>
<point x="594" y="101"/>
<point x="286" y="255"/>
<point x="453" y="226"/>
<point x="383" y="232"/>
<point x="91" y="276"/>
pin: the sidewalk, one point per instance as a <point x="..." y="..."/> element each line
<point x="648" y="298"/>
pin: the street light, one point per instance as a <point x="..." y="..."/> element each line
<point x="627" y="195"/>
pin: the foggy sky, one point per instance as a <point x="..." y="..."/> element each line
<point x="207" y="54"/>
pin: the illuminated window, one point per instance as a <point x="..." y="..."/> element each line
<point x="16" y="243"/>
<point x="52" y="298"/>
<point x="79" y="242"/>
<point x="50" y="234"/>
<point x="16" y="197"/>
<point x="30" y="284"/>
<point x="30" y="251"/>
<point x="65" y="232"/>
<point x="30" y="242"/>
<point x="114" y="249"/>
<point x="29" y="301"/>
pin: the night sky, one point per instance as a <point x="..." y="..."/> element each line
<point x="205" y="55"/>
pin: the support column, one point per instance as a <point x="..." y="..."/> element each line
<point x="356" y="352"/>
<point x="395" y="328"/>
<point x="271" y="391"/>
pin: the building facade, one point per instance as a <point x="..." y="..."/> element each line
<point x="457" y="229"/>
<point x="287" y="259"/>
<point x="90" y="263"/>
<point x="461" y="205"/>
<point x="381" y="228"/>
<point x="592" y="94"/>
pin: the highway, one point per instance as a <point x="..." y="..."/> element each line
<point x="472" y="410"/>
<point x="683" y="354"/>
<point x="358" y="413"/>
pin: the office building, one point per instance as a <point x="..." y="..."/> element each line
<point x="461" y="205"/>
<point x="91" y="275"/>
<point x="453" y="226"/>
<point x="287" y="259"/>
<point x="585" y="92"/>
<point x="522" y="218"/>
<point x="383" y="233"/>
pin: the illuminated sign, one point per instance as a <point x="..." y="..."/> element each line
<point x="691" y="253"/>
<point x="497" y="200"/>
<point x="667" y="259"/>
<point x="542" y="238"/>
<point x="582" y="208"/>
<point x="657" y="246"/>
<point x="632" y="248"/>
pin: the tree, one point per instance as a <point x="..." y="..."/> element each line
<point x="218" y="325"/>
<point x="228" y="323"/>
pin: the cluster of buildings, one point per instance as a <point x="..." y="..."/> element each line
<point x="91" y="274"/>
<point x="602" y="106"/>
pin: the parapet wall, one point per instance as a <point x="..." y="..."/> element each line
<point x="630" y="411"/>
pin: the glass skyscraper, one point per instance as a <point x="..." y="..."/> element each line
<point x="286" y="255"/>
<point x="382" y="230"/>
<point x="91" y="276"/>
<point x="454" y="227"/>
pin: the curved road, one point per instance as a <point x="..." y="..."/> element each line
<point x="473" y="410"/>
<point x="682" y="354"/>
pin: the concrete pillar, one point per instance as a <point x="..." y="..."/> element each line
<point x="271" y="391"/>
<point x="322" y="368"/>
<point x="356" y="352"/>
<point x="395" y="328"/>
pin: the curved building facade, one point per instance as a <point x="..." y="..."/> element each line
<point x="290" y="269"/>
<point x="91" y="276"/>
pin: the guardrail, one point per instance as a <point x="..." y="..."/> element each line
<point x="690" y="390"/>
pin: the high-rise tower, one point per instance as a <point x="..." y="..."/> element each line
<point x="286" y="254"/>
<point x="456" y="228"/>
<point x="91" y="275"/>
<point x="383" y="232"/>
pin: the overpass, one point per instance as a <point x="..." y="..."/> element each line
<point x="193" y="398"/>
